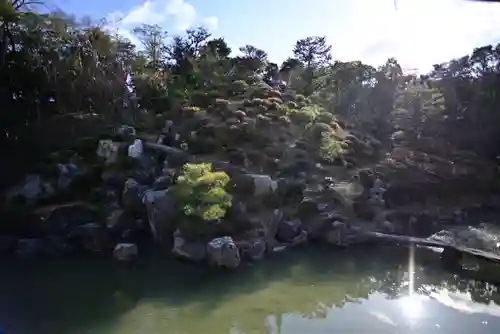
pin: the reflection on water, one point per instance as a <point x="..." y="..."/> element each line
<point x="306" y="291"/>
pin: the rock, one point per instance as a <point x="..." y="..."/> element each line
<point x="252" y="250"/>
<point x="223" y="252"/>
<point x="162" y="182"/>
<point x="125" y="252"/>
<point x="288" y="230"/>
<point x="136" y="149"/>
<point x="159" y="207"/>
<point x="67" y="173"/>
<point x="126" y="132"/>
<point x="271" y="226"/>
<point x="387" y="227"/>
<point x="300" y="239"/>
<point x="336" y="235"/>
<point x="188" y="250"/>
<point x="63" y="218"/>
<point x="119" y="221"/>
<point x="132" y="195"/>
<point x="32" y="189"/>
<point x="91" y="237"/>
<point x="108" y="150"/>
<point x="30" y="248"/>
<point x="264" y="185"/>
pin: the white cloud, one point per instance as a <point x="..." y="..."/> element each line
<point x="418" y="33"/>
<point x="162" y="12"/>
<point x="211" y="23"/>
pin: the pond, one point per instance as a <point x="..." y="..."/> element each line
<point x="320" y="290"/>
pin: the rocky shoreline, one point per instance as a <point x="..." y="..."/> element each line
<point x="128" y="205"/>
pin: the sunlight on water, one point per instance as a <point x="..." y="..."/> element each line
<point x="317" y="291"/>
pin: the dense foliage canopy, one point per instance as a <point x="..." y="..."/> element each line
<point x="62" y="79"/>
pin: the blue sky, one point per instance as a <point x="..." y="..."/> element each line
<point x="418" y="33"/>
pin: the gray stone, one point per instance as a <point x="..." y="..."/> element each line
<point x="223" y="252"/>
<point x="159" y="207"/>
<point x="288" y="230"/>
<point x="125" y="252"/>
<point x="189" y="250"/>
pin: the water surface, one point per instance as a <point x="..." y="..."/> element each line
<point x="318" y="290"/>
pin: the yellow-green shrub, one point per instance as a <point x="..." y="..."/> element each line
<point x="331" y="147"/>
<point x="200" y="192"/>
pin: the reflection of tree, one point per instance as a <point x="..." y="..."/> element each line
<point x="308" y="284"/>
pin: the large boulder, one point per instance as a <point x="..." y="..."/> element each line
<point x="223" y="252"/>
<point x="125" y="252"/>
<point x="188" y="250"/>
<point x="288" y="230"/>
<point x="159" y="207"/>
<point x="253" y="249"/>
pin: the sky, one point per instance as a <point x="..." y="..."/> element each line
<point x="419" y="33"/>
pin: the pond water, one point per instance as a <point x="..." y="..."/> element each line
<point x="319" y="290"/>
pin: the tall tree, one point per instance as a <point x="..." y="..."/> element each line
<point x="314" y="53"/>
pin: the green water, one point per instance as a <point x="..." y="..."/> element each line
<point x="301" y="291"/>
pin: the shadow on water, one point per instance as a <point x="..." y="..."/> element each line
<point x="80" y="296"/>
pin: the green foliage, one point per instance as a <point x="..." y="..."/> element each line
<point x="306" y="114"/>
<point x="200" y="192"/>
<point x="317" y="130"/>
<point x="326" y="117"/>
<point x="239" y="87"/>
<point x="331" y="147"/>
<point x="191" y="109"/>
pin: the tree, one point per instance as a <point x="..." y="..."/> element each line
<point x="314" y="53"/>
<point x="253" y="59"/>
<point x="152" y="38"/>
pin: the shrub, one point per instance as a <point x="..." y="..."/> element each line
<point x="191" y="109"/>
<point x="239" y="87"/>
<point x="318" y="129"/>
<point x="291" y="104"/>
<point x="326" y="117"/>
<point x="221" y="103"/>
<point x="201" y="193"/>
<point x="306" y="114"/>
<point x="331" y="147"/>
<point x="300" y="98"/>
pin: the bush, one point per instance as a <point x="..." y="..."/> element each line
<point x="317" y="130"/>
<point x="326" y="117"/>
<point x="204" y="99"/>
<point x="222" y="105"/>
<point x="300" y="98"/>
<point x="306" y="114"/>
<point x="291" y="104"/>
<point x="199" y="192"/>
<point x="191" y="109"/>
<point x="239" y="87"/>
<point x="331" y="147"/>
